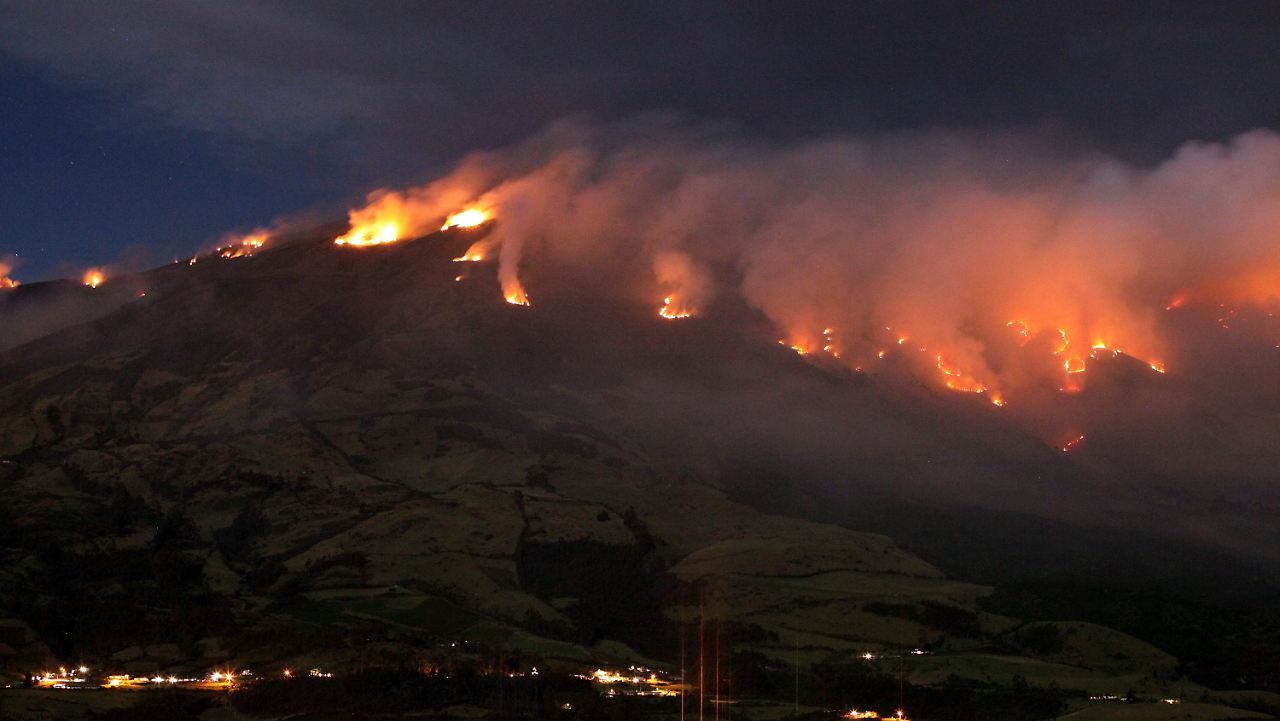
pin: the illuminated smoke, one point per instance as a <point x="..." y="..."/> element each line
<point x="389" y="215"/>
<point x="243" y="246"/>
<point x="5" y="281"/>
<point x="685" y="286"/>
<point x="984" y="265"/>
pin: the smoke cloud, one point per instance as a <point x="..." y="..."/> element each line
<point x="995" y="266"/>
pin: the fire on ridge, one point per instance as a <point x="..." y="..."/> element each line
<point x="5" y="281"/>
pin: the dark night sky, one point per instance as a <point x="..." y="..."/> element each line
<point x="161" y="125"/>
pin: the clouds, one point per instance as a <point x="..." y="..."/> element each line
<point x="243" y="68"/>
<point x="257" y="109"/>
<point x="434" y="79"/>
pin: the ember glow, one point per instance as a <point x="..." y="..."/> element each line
<point x="94" y="277"/>
<point x="5" y="281"/>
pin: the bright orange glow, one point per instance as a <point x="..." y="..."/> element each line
<point x="1071" y="444"/>
<point x="366" y="235"/>
<point x="1157" y="366"/>
<point x="94" y="277"/>
<point x="245" y="246"/>
<point x="514" y="294"/>
<point x="474" y="254"/>
<point x="957" y="380"/>
<point x="469" y="218"/>
<point x="672" y="310"/>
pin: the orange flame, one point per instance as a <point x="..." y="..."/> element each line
<point x="957" y="380"/>
<point x="94" y="277"/>
<point x="5" y="281"/>
<point x="245" y="246"/>
<point x="514" y="293"/>
<point x="671" y="311"/>
<point x="474" y="254"/>
<point x="468" y="218"/>
<point x="1071" y="444"/>
<point x="366" y="235"/>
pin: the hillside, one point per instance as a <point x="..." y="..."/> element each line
<point x="319" y="457"/>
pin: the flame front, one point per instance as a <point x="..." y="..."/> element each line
<point x="475" y="254"/>
<point x="94" y="277"/>
<point x="513" y="293"/>
<point x="469" y="218"/>
<point x="245" y="246"/>
<point x="673" y="311"/>
<point x="5" y="281"/>
<point x="362" y="236"/>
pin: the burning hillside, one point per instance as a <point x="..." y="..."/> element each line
<point x="985" y="276"/>
<point x="1033" y="300"/>
<point x="245" y="245"/>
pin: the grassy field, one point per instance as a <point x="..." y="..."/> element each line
<point x="1001" y="669"/>
<point x="1163" y="712"/>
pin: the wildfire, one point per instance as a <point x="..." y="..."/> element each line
<point x="245" y="246"/>
<point x="94" y="277"/>
<point x="1071" y="444"/>
<point x="671" y="311"/>
<point x="1077" y="363"/>
<point x="957" y="380"/>
<point x="515" y="295"/>
<point x="469" y="218"/>
<point x="366" y="235"/>
<point x="474" y="254"/>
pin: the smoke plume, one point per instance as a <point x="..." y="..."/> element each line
<point x="987" y="265"/>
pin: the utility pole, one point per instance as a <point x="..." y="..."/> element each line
<point x="701" y="660"/>
<point x="684" y="679"/>
<point x="717" y="669"/>
<point x="797" y="663"/>
<point x="901" y="678"/>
